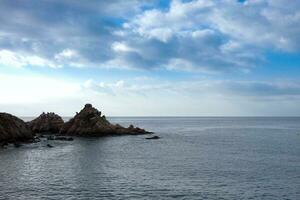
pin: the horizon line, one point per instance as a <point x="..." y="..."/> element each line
<point x="186" y="116"/>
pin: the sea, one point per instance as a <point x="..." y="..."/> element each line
<point x="195" y="158"/>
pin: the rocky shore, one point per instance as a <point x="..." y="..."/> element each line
<point x="87" y="123"/>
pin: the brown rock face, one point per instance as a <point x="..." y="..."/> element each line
<point x="46" y="122"/>
<point x="13" y="129"/>
<point x="89" y="122"/>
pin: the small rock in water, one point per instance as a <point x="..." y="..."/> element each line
<point x="50" y="137"/>
<point x="153" y="138"/>
<point x="49" y="145"/>
<point x="17" y="145"/>
<point x="36" y="139"/>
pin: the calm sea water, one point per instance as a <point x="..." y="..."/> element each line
<point x="196" y="158"/>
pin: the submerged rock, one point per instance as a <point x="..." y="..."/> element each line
<point x="13" y="129"/>
<point x="89" y="122"/>
<point x="46" y="123"/>
<point x="49" y="146"/>
<point x="153" y="138"/>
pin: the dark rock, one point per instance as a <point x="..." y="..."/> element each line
<point x="46" y="123"/>
<point x="89" y="122"/>
<point x="13" y="129"/>
<point x="36" y="139"/>
<point x="3" y="144"/>
<point x="49" y="145"/>
<point x="17" y="145"/>
<point x="153" y="138"/>
<point x="50" y="137"/>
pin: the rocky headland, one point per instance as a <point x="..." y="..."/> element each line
<point x="14" y="130"/>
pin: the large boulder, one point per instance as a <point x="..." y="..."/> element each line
<point x="90" y="122"/>
<point x="13" y="129"/>
<point x="46" y="123"/>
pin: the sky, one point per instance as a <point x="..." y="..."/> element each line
<point x="150" y="58"/>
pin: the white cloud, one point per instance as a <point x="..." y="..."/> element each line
<point x="178" y="64"/>
<point x="162" y="34"/>
<point x="163" y="25"/>
<point x="66" y="54"/>
<point x="121" y="47"/>
<point x="14" y="59"/>
<point x="265" y="24"/>
<point x="230" y="46"/>
<point x="10" y="58"/>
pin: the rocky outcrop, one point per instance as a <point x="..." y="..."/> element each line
<point x="13" y="129"/>
<point x="46" y="123"/>
<point x="90" y="122"/>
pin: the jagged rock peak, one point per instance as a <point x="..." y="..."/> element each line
<point x="89" y="122"/>
<point x="88" y="108"/>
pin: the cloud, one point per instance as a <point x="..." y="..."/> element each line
<point x="204" y="98"/>
<point x="121" y="47"/>
<point x="211" y="37"/>
<point x="264" y="24"/>
<point x="55" y="30"/>
<point x="32" y="94"/>
<point x="197" y="35"/>
<point x="66" y="54"/>
<point x="10" y="58"/>
<point x="229" y="88"/>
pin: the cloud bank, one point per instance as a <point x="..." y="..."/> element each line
<point x="198" y="35"/>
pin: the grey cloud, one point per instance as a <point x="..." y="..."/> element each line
<point x="45" y="28"/>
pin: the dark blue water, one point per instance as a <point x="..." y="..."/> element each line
<point x="196" y="158"/>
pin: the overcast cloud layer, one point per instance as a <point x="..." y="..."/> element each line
<point x="210" y="39"/>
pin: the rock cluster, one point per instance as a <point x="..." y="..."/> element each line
<point x="89" y="122"/>
<point x="46" y="123"/>
<point x="13" y="129"/>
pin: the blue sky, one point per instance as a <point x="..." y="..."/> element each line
<point x="151" y="58"/>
